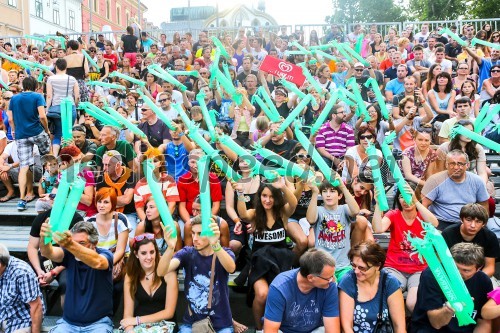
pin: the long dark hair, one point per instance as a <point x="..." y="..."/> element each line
<point x="134" y="269"/>
<point x="430" y="76"/>
<point x="449" y="85"/>
<point x="260" y="212"/>
<point x="470" y="147"/>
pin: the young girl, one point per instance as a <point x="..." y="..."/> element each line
<point x="468" y="89"/>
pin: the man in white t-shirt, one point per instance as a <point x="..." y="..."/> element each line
<point x="446" y="65"/>
<point x="421" y="37"/>
<point x="9" y="172"/>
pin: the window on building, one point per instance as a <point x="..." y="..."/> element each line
<point x="38" y="8"/>
<point x="95" y="5"/>
<point x="12" y="3"/>
<point x="127" y="15"/>
<point x="108" y="10"/>
<point x="55" y="16"/>
<point x="72" y="19"/>
<point x="118" y="15"/>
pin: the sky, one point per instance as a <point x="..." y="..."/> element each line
<point x="288" y="12"/>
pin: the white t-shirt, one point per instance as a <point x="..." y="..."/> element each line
<point x="11" y="150"/>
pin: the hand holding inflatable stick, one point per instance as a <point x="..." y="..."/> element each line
<point x="205" y="201"/>
<point x="159" y="113"/>
<point x="378" y="96"/>
<point x="453" y="35"/>
<point x="437" y="255"/>
<point x="394" y="168"/>
<point x="128" y="78"/>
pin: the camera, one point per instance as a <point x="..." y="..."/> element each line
<point x="118" y="95"/>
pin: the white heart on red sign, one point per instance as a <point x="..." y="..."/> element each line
<point x="285" y="67"/>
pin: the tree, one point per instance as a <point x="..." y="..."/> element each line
<point x="483" y="9"/>
<point x="437" y="9"/>
<point x="352" y="11"/>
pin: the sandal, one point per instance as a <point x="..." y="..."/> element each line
<point x="7" y="198"/>
<point x="29" y="198"/>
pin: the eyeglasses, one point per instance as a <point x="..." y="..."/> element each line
<point x="164" y="100"/>
<point x="302" y="156"/>
<point x="369" y="137"/>
<point x="203" y="73"/>
<point x="6" y="98"/>
<point x="330" y="279"/>
<point x="141" y="237"/>
<point x="360" y="268"/>
<point x="454" y="164"/>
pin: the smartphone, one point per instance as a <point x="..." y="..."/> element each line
<point x="52" y="195"/>
<point x="416" y="98"/>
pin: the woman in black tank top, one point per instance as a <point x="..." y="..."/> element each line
<point x="147" y="296"/>
<point x="273" y="204"/>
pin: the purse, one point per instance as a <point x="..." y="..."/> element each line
<point x="119" y="267"/>
<point x="383" y="325"/>
<point x="205" y="325"/>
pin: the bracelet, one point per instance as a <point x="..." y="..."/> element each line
<point x="138" y="320"/>
<point x="53" y="273"/>
<point x="217" y="247"/>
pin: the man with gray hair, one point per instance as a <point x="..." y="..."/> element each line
<point x="88" y="305"/>
<point x="433" y="313"/>
<point x="304" y="299"/>
<point x="445" y="192"/>
<point x="21" y="306"/>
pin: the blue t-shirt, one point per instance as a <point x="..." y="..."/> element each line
<point x="146" y="44"/>
<point x="196" y="286"/>
<point x="395" y="86"/>
<point x="6" y="125"/>
<point x="176" y="160"/>
<point x="89" y="292"/>
<point x="24" y="108"/>
<point x="299" y="312"/>
<point x="365" y="313"/>
<point x="484" y="70"/>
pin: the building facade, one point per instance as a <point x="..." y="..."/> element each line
<point x="117" y="14"/>
<point x="14" y="17"/>
<point x="49" y="16"/>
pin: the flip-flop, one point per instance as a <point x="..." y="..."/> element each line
<point x="7" y="198"/>
<point x="29" y="198"/>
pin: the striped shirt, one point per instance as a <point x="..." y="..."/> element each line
<point x="61" y="87"/>
<point x="336" y="143"/>
<point x="18" y="287"/>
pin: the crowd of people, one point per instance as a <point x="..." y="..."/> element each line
<point x="304" y="246"/>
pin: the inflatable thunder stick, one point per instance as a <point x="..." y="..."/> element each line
<point x="437" y="255"/>
<point x="159" y="198"/>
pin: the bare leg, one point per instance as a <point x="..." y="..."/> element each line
<point x="261" y="289"/>
<point x="23" y="180"/>
<point x="411" y="299"/>
<point x="29" y="183"/>
<point x="297" y="235"/>
<point x="8" y="184"/>
<point x="239" y="328"/>
<point x="361" y="231"/>
<point x="235" y="246"/>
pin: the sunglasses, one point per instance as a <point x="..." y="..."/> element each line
<point x="203" y="73"/>
<point x="369" y="137"/>
<point x="140" y="238"/>
<point x="496" y="71"/>
<point x="6" y="98"/>
<point x="359" y="69"/>
<point x="164" y="100"/>
<point x="360" y="268"/>
<point x="302" y="156"/>
<point x="144" y="110"/>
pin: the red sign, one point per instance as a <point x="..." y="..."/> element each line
<point x="284" y="69"/>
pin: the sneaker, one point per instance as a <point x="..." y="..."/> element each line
<point x="21" y="205"/>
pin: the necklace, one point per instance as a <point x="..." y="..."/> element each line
<point x="148" y="275"/>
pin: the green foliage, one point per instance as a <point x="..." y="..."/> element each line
<point x="484" y="9"/>
<point x="437" y="9"/>
<point x="351" y="11"/>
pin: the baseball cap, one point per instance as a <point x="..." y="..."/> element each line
<point x="358" y="64"/>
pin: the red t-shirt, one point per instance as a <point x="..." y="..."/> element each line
<point x="400" y="254"/>
<point x="114" y="60"/>
<point x="189" y="189"/>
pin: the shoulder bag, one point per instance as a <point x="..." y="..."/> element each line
<point x="383" y="325"/>
<point x="205" y="325"/>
